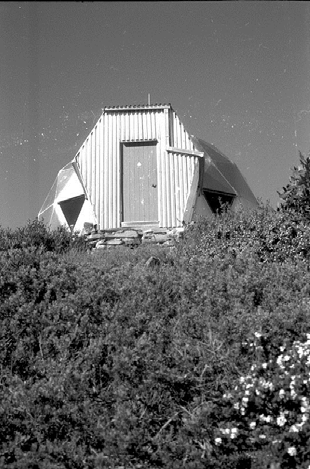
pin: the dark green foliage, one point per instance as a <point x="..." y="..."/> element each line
<point x="36" y="235"/>
<point x="296" y="194"/>
<point x="106" y="362"/>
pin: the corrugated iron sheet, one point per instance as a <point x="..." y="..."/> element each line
<point x="177" y="176"/>
<point x="99" y="160"/>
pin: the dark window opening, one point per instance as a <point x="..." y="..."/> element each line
<point x="71" y="209"/>
<point x="217" y="201"/>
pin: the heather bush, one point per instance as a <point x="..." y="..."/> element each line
<point x="266" y="234"/>
<point x="295" y="195"/>
<point x="268" y="410"/>
<point x="36" y="234"/>
<point x="108" y="362"/>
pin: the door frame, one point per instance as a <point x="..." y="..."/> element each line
<point x="152" y="141"/>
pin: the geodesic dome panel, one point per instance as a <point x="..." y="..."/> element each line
<point x="223" y="175"/>
<point x="71" y="209"/>
<point x="65" y="202"/>
<point x="215" y="181"/>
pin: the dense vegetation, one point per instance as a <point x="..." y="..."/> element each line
<point x="198" y="361"/>
<point x="296" y="194"/>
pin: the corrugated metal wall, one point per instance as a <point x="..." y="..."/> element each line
<point x="180" y="137"/>
<point x="177" y="171"/>
<point x="99" y="161"/>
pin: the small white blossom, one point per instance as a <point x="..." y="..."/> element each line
<point x="218" y="441"/>
<point x="293" y="393"/>
<point x="264" y="365"/>
<point x="257" y="335"/>
<point x="281" y="420"/>
<point x="268" y="419"/>
<point x="264" y="418"/>
<point x="252" y="425"/>
<point x="294" y="429"/>
<point x="292" y="451"/>
<point x="279" y="360"/>
<point x="281" y="393"/>
<point x="233" y="433"/>
<point x="304" y="418"/>
<point x="225" y="431"/>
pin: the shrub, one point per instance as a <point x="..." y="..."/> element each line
<point x="268" y="411"/>
<point x="264" y="233"/>
<point x="106" y="361"/>
<point x="296" y="194"/>
<point x="37" y="235"/>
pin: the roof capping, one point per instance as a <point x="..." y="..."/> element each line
<point x="138" y="107"/>
<point x="185" y="152"/>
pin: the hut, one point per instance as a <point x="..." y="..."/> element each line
<point x="140" y="168"/>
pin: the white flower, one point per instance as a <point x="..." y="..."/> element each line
<point x="257" y="335"/>
<point x="252" y="425"/>
<point x="218" y="441"/>
<point x="225" y="431"/>
<point x="267" y="419"/>
<point x="304" y="405"/>
<point x="294" y="429"/>
<point x="292" y="451"/>
<point x="237" y="406"/>
<point x="264" y="365"/>
<point x="281" y="420"/>
<point x="293" y="393"/>
<point x="281" y="393"/>
<point x="304" y="418"/>
<point x="233" y="433"/>
<point x="262" y="437"/>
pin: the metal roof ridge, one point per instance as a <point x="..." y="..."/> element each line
<point x="137" y="107"/>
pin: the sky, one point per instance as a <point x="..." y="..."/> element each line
<point x="236" y="73"/>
